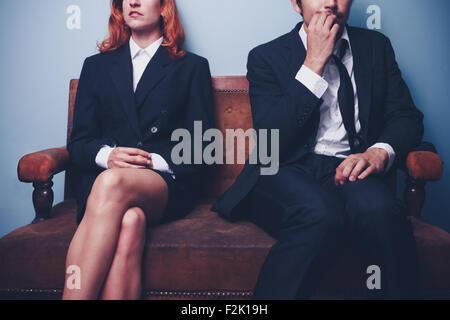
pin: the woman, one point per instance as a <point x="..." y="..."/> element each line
<point x="131" y="97"/>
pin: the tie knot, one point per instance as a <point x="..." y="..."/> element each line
<point x="341" y="49"/>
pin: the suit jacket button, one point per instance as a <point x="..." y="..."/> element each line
<point x="154" y="130"/>
<point x="140" y="144"/>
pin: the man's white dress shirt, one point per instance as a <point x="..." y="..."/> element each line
<point x="140" y="59"/>
<point x="332" y="138"/>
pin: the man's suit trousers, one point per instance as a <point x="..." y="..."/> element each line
<point x="314" y="220"/>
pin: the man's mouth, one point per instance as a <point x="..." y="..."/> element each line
<point x="337" y="14"/>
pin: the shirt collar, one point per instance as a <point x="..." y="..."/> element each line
<point x="304" y="37"/>
<point x="150" y="50"/>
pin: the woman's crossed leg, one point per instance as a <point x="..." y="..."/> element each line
<point x="108" y="244"/>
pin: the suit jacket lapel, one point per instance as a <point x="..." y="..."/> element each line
<point x="122" y="75"/>
<point x="155" y="71"/>
<point x="297" y="51"/>
<point x="362" y="66"/>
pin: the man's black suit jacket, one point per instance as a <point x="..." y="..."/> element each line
<point x="386" y="110"/>
<point x="170" y="95"/>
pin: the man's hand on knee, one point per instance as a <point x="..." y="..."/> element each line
<point x="361" y="165"/>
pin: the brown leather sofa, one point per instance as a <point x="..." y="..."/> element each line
<point x="201" y="256"/>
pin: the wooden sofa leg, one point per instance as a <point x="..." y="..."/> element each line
<point x="414" y="196"/>
<point x="42" y="200"/>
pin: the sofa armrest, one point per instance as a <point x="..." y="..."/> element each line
<point x="424" y="165"/>
<point x="39" y="168"/>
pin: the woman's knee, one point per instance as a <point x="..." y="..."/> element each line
<point x="108" y="186"/>
<point x="132" y="233"/>
<point x="109" y="181"/>
<point x="134" y="220"/>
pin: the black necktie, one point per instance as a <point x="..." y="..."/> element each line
<point x="346" y="98"/>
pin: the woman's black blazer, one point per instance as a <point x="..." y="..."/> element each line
<point x="170" y="95"/>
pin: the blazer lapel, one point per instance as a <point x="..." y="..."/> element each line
<point x="362" y="66"/>
<point x="155" y="71"/>
<point x="122" y="75"/>
<point x="297" y="51"/>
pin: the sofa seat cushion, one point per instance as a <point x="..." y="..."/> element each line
<point x="201" y="256"/>
<point x="199" y="253"/>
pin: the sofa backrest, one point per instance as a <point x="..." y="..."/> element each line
<point x="231" y="110"/>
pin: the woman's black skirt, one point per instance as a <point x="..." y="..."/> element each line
<point x="181" y="198"/>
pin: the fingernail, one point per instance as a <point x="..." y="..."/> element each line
<point x="352" y="178"/>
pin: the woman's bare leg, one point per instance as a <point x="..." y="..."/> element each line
<point x="124" y="278"/>
<point x="94" y="244"/>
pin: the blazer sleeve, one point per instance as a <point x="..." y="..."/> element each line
<point x="199" y="107"/>
<point x="403" y="122"/>
<point x="85" y="140"/>
<point x="273" y="107"/>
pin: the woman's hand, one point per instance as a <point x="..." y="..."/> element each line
<point x="122" y="157"/>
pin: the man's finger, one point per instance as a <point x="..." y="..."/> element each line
<point x="313" y="21"/>
<point x="360" y="166"/>
<point x="366" y="172"/>
<point x="321" y="19"/>
<point x="351" y="163"/>
<point x="335" y="30"/>
<point x="349" y="167"/>
<point x="329" y="21"/>
<point x="339" y="171"/>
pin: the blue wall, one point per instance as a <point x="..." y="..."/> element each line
<point x="40" y="54"/>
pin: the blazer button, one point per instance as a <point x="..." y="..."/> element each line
<point x="154" y="130"/>
<point x="140" y="144"/>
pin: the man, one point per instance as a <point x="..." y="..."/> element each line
<point x="346" y="120"/>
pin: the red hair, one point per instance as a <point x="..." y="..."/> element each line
<point x="171" y="28"/>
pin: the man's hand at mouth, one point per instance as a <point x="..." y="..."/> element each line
<point x="322" y="32"/>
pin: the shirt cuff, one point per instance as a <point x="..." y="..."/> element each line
<point x="391" y="154"/>
<point x="103" y="155"/>
<point x="311" y="80"/>
<point x="160" y="164"/>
